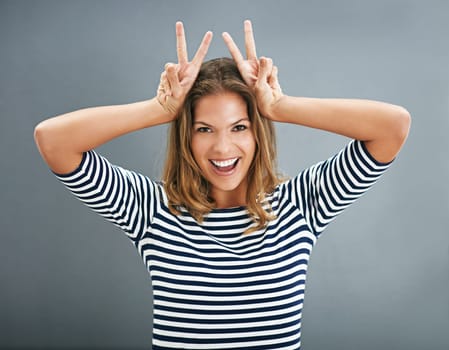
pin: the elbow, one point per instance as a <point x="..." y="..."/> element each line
<point x="394" y="135"/>
<point x="43" y="138"/>
<point x="402" y="123"/>
<point x="52" y="145"/>
<point x="40" y="135"/>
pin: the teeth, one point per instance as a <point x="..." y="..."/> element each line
<point x="224" y="163"/>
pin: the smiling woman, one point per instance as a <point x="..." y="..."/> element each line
<point x="220" y="123"/>
<point x="223" y="147"/>
<point x="216" y="286"/>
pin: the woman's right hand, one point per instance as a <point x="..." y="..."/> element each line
<point x="177" y="78"/>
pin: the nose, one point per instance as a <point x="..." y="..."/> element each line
<point x="222" y="143"/>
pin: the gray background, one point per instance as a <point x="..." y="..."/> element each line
<point x="378" y="278"/>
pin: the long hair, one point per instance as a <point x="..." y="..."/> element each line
<point x="182" y="177"/>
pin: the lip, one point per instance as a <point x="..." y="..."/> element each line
<point x="224" y="162"/>
<point x="225" y="173"/>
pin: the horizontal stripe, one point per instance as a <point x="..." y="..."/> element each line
<point x="214" y="286"/>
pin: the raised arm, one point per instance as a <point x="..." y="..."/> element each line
<point x="383" y="127"/>
<point x="62" y="140"/>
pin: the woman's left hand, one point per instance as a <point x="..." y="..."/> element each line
<point x="259" y="74"/>
<point x="267" y="88"/>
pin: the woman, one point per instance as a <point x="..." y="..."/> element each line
<point x="226" y="241"/>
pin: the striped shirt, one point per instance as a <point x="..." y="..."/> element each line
<point x="215" y="287"/>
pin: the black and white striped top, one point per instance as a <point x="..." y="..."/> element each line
<point x="214" y="287"/>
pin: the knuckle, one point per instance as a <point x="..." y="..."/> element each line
<point x="168" y="66"/>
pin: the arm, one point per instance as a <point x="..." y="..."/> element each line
<point x="383" y="127"/>
<point x="62" y="140"/>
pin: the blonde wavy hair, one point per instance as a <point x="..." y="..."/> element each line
<point x="183" y="181"/>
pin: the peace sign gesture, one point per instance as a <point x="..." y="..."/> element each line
<point x="248" y="68"/>
<point x="178" y="78"/>
<point x="259" y="74"/>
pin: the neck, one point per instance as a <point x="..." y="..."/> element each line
<point x="229" y="199"/>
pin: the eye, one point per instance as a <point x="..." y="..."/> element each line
<point x="240" y="127"/>
<point x="203" y="129"/>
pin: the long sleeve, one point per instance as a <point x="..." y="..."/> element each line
<point x="324" y="190"/>
<point x="123" y="197"/>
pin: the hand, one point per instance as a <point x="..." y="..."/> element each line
<point x="267" y="88"/>
<point x="259" y="74"/>
<point x="177" y="79"/>
<point x="248" y="68"/>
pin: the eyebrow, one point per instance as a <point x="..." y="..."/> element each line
<point x="208" y="125"/>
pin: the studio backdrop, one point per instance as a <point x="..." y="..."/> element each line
<point x="378" y="277"/>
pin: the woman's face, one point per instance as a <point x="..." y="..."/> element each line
<point x="223" y="146"/>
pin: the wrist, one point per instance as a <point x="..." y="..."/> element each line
<point x="275" y="110"/>
<point x="161" y="113"/>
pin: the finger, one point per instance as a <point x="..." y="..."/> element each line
<point x="173" y="80"/>
<point x="263" y="71"/>
<point x="164" y="75"/>
<point x="202" y="49"/>
<point x="164" y="86"/>
<point x="250" y="44"/>
<point x="181" y="45"/>
<point x="269" y="67"/>
<point x="273" y="78"/>
<point x="162" y="92"/>
<point x="233" y="49"/>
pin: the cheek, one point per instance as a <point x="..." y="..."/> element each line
<point x="249" y="145"/>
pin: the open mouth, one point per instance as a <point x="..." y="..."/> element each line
<point x="225" y="165"/>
